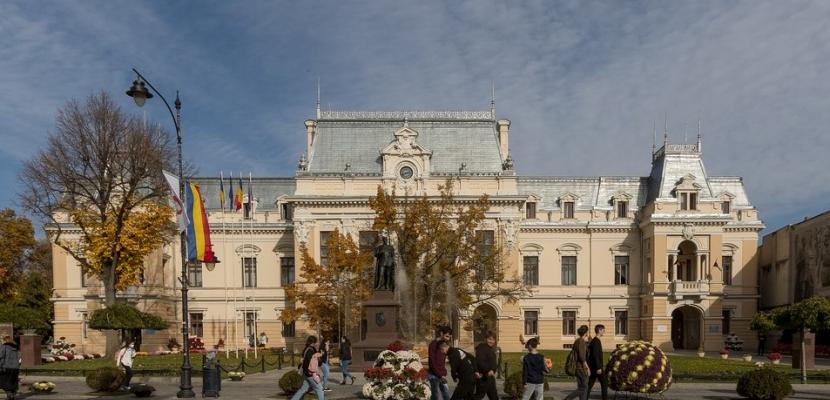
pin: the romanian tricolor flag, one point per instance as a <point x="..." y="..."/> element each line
<point x="237" y="199"/>
<point x="230" y="192"/>
<point x="198" y="230"/>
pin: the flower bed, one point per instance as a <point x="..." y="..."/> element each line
<point x="398" y="375"/>
<point x="57" y="358"/>
<point x="639" y="367"/>
<point x="42" y="387"/>
<point x="236" y="375"/>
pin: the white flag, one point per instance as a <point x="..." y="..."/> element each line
<point x="173" y="182"/>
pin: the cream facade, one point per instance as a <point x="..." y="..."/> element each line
<point x="670" y="257"/>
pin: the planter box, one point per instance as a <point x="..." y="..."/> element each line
<point x="724" y="356"/>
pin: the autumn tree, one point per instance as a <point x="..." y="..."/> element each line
<point x="99" y="177"/>
<point x="330" y="293"/>
<point x="18" y="241"/>
<point x="448" y="262"/>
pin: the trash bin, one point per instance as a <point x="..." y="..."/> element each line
<point x="211" y="375"/>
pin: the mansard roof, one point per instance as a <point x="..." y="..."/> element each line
<point x="591" y="192"/>
<point x="357" y="138"/>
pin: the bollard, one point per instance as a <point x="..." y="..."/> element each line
<point x="263" y="363"/>
<point x="292" y="357"/>
<point x="279" y="361"/>
<point x="505" y="371"/>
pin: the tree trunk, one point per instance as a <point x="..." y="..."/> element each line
<point x="108" y="275"/>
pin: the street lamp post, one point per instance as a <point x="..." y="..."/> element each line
<point x="140" y="94"/>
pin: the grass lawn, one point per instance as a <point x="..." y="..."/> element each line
<point x="684" y="368"/>
<point x="162" y="365"/>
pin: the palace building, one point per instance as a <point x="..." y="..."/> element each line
<point x="670" y="257"/>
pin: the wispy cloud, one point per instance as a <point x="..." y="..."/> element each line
<point x="581" y="81"/>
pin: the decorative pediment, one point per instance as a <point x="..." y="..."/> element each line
<point x="725" y="196"/>
<point x="405" y="144"/>
<point x="569" y="249"/>
<point x="687" y="183"/>
<point x="248" y="249"/>
<point x="621" y="196"/>
<point x="568" y="197"/>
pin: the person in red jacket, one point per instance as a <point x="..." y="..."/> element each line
<point x="437" y="372"/>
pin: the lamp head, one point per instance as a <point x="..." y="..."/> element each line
<point x="139" y="92"/>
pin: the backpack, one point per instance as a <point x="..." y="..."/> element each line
<point x="570" y="363"/>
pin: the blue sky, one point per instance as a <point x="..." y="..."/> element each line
<point x="580" y="81"/>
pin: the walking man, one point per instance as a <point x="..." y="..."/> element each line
<point x="437" y="373"/>
<point x="596" y="362"/>
<point x="582" y="368"/>
<point x="486" y="364"/>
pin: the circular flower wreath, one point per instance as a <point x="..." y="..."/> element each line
<point x="639" y="367"/>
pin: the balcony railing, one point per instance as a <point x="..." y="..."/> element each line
<point x="681" y="289"/>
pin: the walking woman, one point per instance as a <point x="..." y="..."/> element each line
<point x="9" y="367"/>
<point x="124" y="359"/>
<point x="308" y="371"/>
<point x="345" y="359"/>
<point x="324" y="364"/>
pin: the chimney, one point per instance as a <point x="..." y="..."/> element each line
<point x="503" y="126"/>
<point x="310" y="128"/>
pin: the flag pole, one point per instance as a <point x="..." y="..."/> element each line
<point x="235" y="306"/>
<point x="253" y="289"/>
<point x="224" y="252"/>
<point x="246" y="329"/>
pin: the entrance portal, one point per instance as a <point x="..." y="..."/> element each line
<point x="686" y="323"/>
<point x="484" y="320"/>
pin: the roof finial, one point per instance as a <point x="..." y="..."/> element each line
<point x="685" y="132"/>
<point x="666" y="130"/>
<point x="318" y="97"/>
<point x="493" y="99"/>
<point x="699" y="141"/>
<point x="654" y="136"/>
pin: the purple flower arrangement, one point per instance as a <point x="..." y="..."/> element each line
<point x="639" y="367"/>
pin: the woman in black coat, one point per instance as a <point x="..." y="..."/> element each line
<point x="463" y="367"/>
<point x="9" y="367"/>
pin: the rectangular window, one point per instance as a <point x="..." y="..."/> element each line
<point x="197" y="324"/>
<point x="194" y="274"/>
<point x="288" y="330"/>
<point x="324" y="248"/>
<point x="246" y="208"/>
<point x="531" y="270"/>
<point x="621" y="270"/>
<point x="84" y="282"/>
<point x="531" y="323"/>
<point x="287" y="211"/>
<point x="621" y="322"/>
<point x="485" y="242"/>
<point x="684" y="205"/>
<point x="725" y="207"/>
<point x="85" y="326"/>
<point x="622" y="209"/>
<point x="249" y="272"/>
<point x="569" y="210"/>
<point x="726" y="325"/>
<point x="367" y="240"/>
<point x="250" y="328"/>
<point x="568" y="270"/>
<point x="568" y="323"/>
<point x="530" y="211"/>
<point x="693" y="201"/>
<point x="286" y="270"/>
<point x="727" y="269"/>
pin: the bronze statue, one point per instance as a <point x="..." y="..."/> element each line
<point x="385" y="266"/>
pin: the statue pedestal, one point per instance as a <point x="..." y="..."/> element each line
<point x="30" y="350"/>
<point x="381" y="328"/>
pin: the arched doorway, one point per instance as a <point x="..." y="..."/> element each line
<point x="686" y="323"/>
<point x="484" y="320"/>
<point x="687" y="261"/>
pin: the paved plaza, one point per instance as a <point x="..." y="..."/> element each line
<point x="264" y="386"/>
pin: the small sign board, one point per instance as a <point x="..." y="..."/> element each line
<point x="714" y="328"/>
<point x="661" y="328"/>
<point x="6" y="328"/>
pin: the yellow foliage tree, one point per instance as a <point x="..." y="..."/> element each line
<point x="449" y="262"/>
<point x="330" y="295"/>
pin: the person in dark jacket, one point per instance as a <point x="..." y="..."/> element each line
<point x="595" y="362"/>
<point x="309" y="382"/>
<point x="9" y="367"/>
<point x="582" y="368"/>
<point x="324" y="364"/>
<point x="437" y="371"/>
<point x="487" y="364"/>
<point x="533" y="371"/>
<point x="345" y="359"/>
<point x="463" y="366"/>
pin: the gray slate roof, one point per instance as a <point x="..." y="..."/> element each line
<point x="358" y="138"/>
<point x="265" y="190"/>
<point x="593" y="192"/>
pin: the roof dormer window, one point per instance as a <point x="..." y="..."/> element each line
<point x="568" y="204"/>
<point x="620" y="201"/>
<point x="530" y="210"/>
<point x="687" y="193"/>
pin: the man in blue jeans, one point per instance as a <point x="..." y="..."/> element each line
<point x="437" y="375"/>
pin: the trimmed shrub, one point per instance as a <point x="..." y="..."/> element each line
<point x="105" y="379"/>
<point x="764" y="384"/>
<point x="291" y="381"/>
<point x="639" y="367"/>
